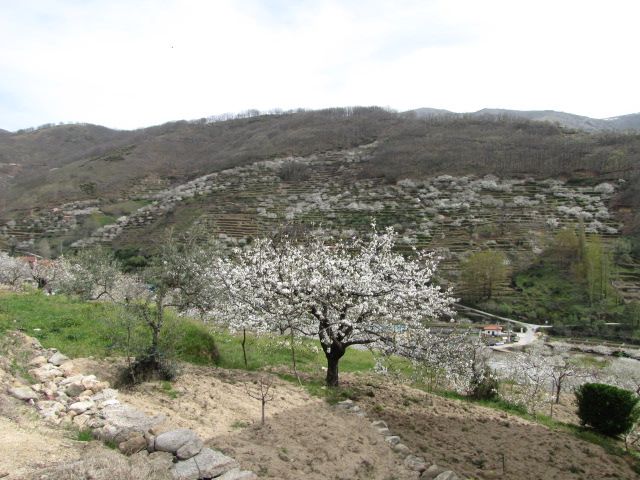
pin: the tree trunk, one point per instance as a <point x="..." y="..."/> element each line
<point x="156" y="327"/>
<point x="293" y="356"/>
<point x="155" y="343"/>
<point x="333" y="357"/>
<point x="244" y="350"/>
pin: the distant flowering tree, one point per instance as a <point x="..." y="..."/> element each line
<point x="563" y="369"/>
<point x="92" y="275"/>
<point x="48" y="274"/>
<point x="13" y="271"/>
<point x="357" y="292"/>
<point x="451" y="359"/>
<point x="529" y="374"/>
<point x="623" y="373"/>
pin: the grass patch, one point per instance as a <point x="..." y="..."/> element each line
<point x="195" y="343"/>
<point x="238" y="424"/>
<point x="111" y="444"/>
<point x="84" y="435"/>
<point x="123" y="208"/>
<point x="83" y="329"/>
<point x="102" y="220"/>
<point x="167" y="389"/>
<point x="77" y="328"/>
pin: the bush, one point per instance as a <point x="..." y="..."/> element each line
<point x="146" y="368"/>
<point x="607" y="409"/>
<point x="195" y="344"/>
<point x="484" y="387"/>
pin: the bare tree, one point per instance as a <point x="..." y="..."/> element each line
<point x="562" y="369"/>
<point x="263" y="391"/>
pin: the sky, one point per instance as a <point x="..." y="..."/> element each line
<point x="133" y="63"/>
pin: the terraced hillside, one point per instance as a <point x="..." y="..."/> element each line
<point x="329" y="193"/>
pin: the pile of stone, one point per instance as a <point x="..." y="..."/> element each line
<point x="412" y="462"/>
<point x="191" y="459"/>
<point x="62" y="396"/>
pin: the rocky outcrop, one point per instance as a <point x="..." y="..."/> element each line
<point x="65" y="397"/>
<point x="206" y="464"/>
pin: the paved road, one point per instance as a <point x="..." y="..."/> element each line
<point x="526" y="338"/>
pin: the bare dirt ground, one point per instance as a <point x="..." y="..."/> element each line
<point x="27" y="444"/>
<point x="305" y="438"/>
<point x="474" y="440"/>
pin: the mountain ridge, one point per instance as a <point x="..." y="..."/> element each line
<point x="628" y="122"/>
<point x="44" y="169"/>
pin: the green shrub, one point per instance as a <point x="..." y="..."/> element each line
<point x="195" y="344"/>
<point x="607" y="409"/>
<point x="484" y="387"/>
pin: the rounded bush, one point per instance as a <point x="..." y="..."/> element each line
<point x="484" y="387"/>
<point x="195" y="344"/>
<point x="607" y="409"/>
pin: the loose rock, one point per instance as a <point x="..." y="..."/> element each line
<point x="74" y="389"/>
<point x="212" y="463"/>
<point x="401" y="448"/>
<point x="189" y="450"/>
<point x="46" y="372"/>
<point x="49" y="408"/>
<point x="414" y="463"/>
<point x="81" y="407"/>
<point x="106" y="394"/>
<point x="67" y="368"/>
<point x="23" y="393"/>
<point x="173" y="440"/>
<point x="392" y="439"/>
<point x="58" y="359"/>
<point x="135" y="444"/>
<point x="432" y="472"/>
<point x="121" y="421"/>
<point x="448" y="475"/>
<point x="151" y="441"/>
<point x="237" y="474"/>
<point x="38" y="361"/>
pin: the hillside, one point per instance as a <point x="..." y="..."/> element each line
<point x="621" y="124"/>
<point x="53" y="165"/>
<point x="457" y="185"/>
<point x="49" y="166"/>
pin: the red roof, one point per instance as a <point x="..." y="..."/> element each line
<point x="493" y="327"/>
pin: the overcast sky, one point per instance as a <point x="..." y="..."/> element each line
<point x="134" y="63"/>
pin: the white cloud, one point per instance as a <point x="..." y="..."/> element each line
<point x="128" y="64"/>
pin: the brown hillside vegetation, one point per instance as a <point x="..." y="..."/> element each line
<point x="55" y="161"/>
